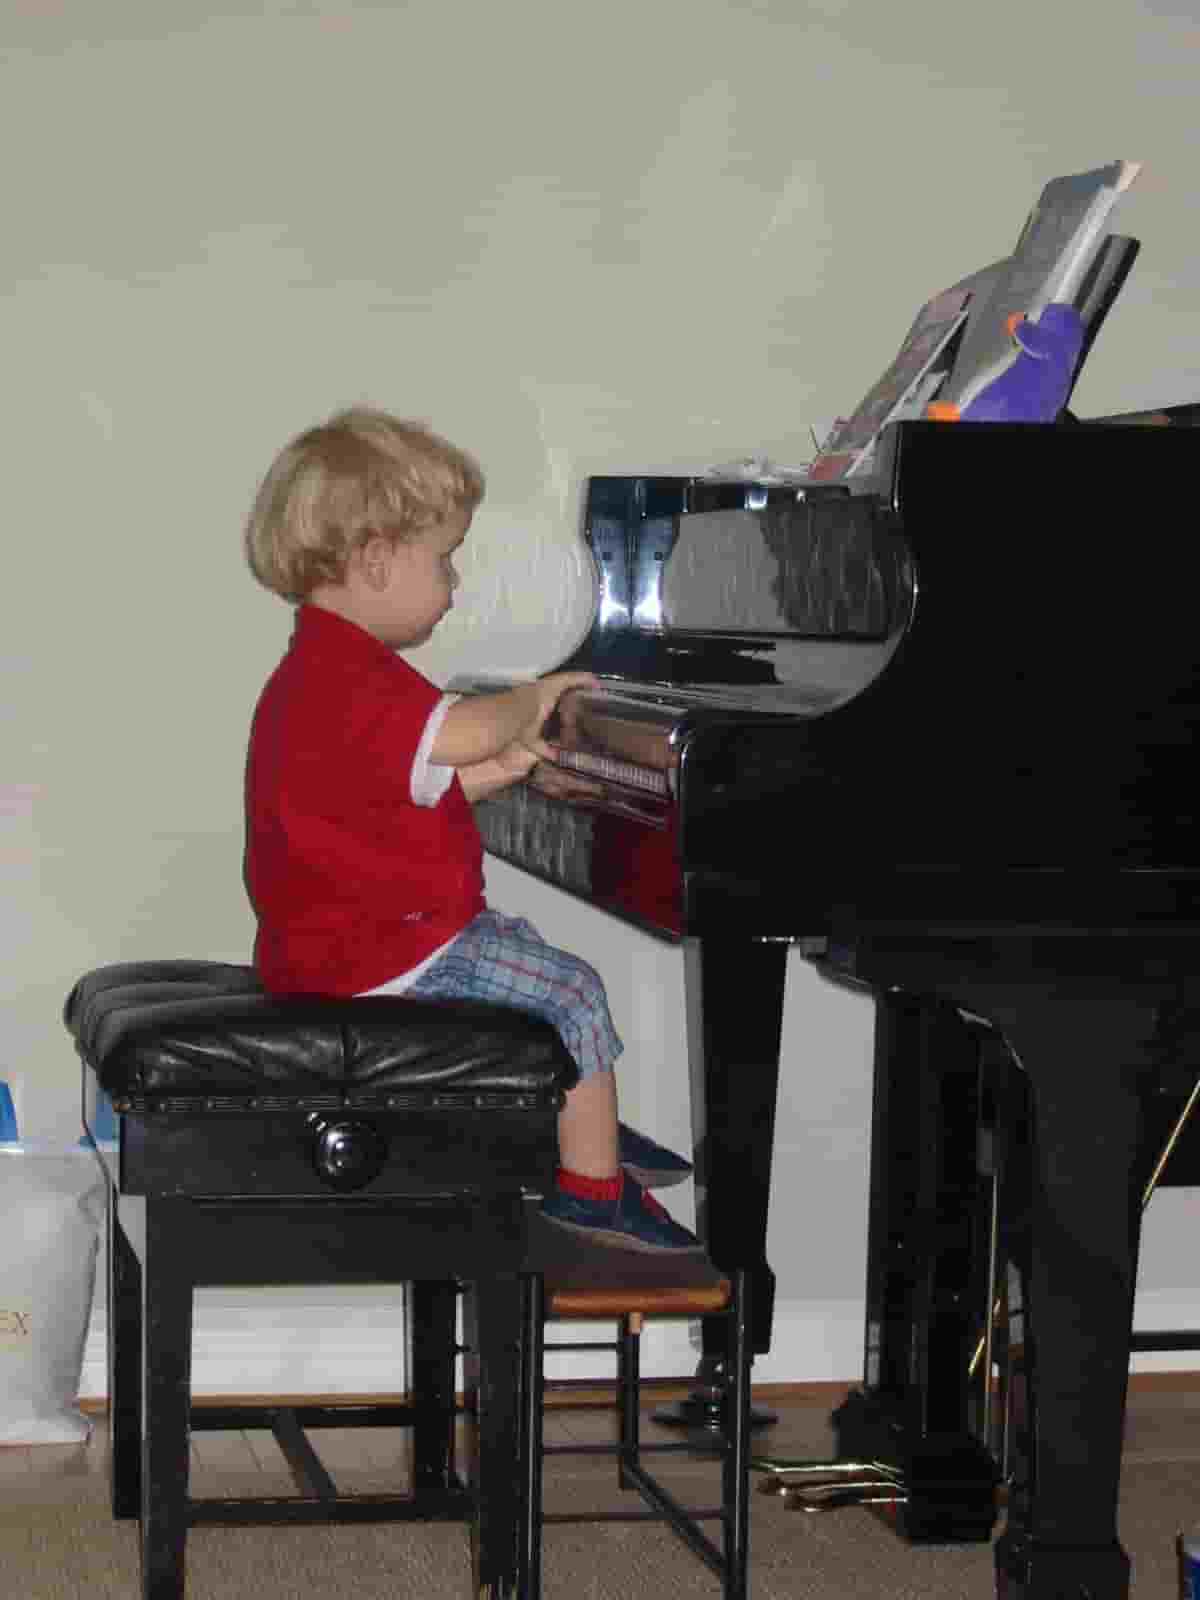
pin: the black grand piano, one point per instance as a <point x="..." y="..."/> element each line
<point x="939" y="732"/>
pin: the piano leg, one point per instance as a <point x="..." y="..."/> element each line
<point x="1082" y="1038"/>
<point x="1079" y="1263"/>
<point x="924" y="1407"/>
<point x="734" y="994"/>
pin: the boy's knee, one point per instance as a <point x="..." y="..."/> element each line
<point x="590" y="983"/>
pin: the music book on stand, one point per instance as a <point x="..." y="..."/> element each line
<point x="961" y="338"/>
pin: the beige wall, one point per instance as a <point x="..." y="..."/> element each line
<point x="575" y="237"/>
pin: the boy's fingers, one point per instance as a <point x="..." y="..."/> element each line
<point x="561" y="785"/>
<point x="562" y="681"/>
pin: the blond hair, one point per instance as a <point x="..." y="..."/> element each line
<point x="361" y="473"/>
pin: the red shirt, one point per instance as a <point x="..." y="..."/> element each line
<point x="353" y="883"/>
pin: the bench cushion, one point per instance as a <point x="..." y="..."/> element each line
<point x="205" y="1028"/>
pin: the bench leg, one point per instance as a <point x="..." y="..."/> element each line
<point x="124" y="1371"/>
<point x="166" y="1396"/>
<point x="432" y="1350"/>
<point x="493" y="1313"/>
<point x="532" y="1400"/>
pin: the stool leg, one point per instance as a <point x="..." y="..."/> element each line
<point x="432" y="1353"/>
<point x="629" y="1391"/>
<point x="493" y="1313"/>
<point x="735" y="1466"/>
<point x="532" y="1392"/>
<point x="166" y="1391"/>
<point x="124" y="1371"/>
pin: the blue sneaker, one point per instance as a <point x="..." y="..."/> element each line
<point x="653" y="1166"/>
<point x="633" y="1221"/>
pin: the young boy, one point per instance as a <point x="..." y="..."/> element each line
<point x="363" y="861"/>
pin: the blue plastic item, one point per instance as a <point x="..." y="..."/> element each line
<point x="1035" y="386"/>
<point x="8" y="1116"/>
<point x="104" y="1123"/>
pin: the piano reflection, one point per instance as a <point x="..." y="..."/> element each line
<point x="937" y="732"/>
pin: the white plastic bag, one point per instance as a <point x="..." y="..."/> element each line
<point x="51" y="1214"/>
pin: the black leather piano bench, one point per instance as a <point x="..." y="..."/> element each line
<point x="589" y="1282"/>
<point x="304" y="1141"/>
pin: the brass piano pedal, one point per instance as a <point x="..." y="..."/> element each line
<point x="829" y="1485"/>
<point x="833" y="1497"/>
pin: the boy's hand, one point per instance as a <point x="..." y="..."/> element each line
<point x="480" y="727"/>
<point x="515" y="762"/>
<point x="501" y="771"/>
<point x="561" y="785"/>
<point x="550" y="691"/>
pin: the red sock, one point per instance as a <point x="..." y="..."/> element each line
<point x="584" y="1188"/>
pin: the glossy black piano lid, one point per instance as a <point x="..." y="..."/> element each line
<point x="1023" y="757"/>
<point x="706" y="582"/>
<point x="1028" y="749"/>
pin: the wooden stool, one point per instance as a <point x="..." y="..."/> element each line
<point x="374" y="1140"/>
<point x="582" y="1281"/>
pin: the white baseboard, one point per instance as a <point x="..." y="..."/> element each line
<point x="282" y="1340"/>
<point x="351" y="1341"/>
<point x="1165" y="1310"/>
<point x="302" y="1341"/>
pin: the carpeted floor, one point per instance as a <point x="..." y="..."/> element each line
<point x="58" y="1542"/>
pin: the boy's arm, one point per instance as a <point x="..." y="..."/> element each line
<point x="478" y="727"/>
<point x="482" y="778"/>
<point x="514" y="764"/>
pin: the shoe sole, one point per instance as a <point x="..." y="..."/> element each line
<point x="626" y="1241"/>
<point x="654" y="1178"/>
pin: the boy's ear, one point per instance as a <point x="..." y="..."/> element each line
<point x="374" y="561"/>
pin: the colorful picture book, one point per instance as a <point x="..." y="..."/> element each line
<point x="961" y="339"/>
<point x="1057" y="247"/>
<point x="916" y="372"/>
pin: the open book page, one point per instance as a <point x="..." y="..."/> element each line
<point x="1050" y="264"/>
<point x="1100" y="288"/>
<point x="916" y="373"/>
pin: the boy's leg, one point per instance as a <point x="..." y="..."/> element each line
<point x="505" y="959"/>
<point x="587" y="1127"/>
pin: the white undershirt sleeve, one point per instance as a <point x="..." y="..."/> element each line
<point x="429" y="782"/>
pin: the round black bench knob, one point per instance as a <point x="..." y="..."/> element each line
<point x="347" y="1154"/>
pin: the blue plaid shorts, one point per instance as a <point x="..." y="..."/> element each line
<point x="506" y="960"/>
